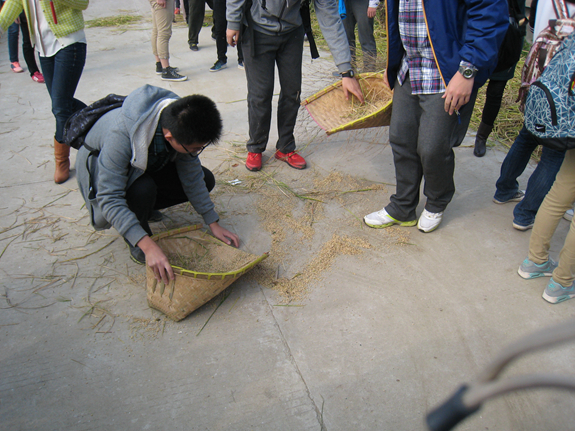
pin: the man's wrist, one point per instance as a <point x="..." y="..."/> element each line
<point x="468" y="70"/>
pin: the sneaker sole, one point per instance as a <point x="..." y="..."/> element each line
<point x="531" y="275"/>
<point x="253" y="169"/>
<point x="557" y="299"/>
<point x="428" y="230"/>
<point x="399" y="223"/>
<point x="522" y="228"/>
<point x="175" y="80"/>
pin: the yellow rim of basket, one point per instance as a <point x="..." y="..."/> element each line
<point x="354" y="122"/>
<point x="206" y="275"/>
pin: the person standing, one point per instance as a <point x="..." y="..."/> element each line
<point x="362" y="13"/>
<point x="27" y="49"/>
<point x="57" y="29"/>
<point x="219" y="32"/>
<point x="195" y="18"/>
<point x="274" y="37"/>
<point x="162" y="18"/>
<point x="439" y="54"/>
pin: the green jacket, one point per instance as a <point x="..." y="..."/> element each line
<point x="68" y="15"/>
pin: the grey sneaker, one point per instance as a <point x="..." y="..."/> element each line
<point x="517" y="197"/>
<point x="555" y="293"/>
<point x="529" y="269"/>
<point x="568" y="215"/>
<point x="170" y="74"/>
<point x="218" y="65"/>
<point x="380" y="219"/>
<point x="522" y="227"/>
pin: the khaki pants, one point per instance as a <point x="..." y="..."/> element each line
<point x="162" y="18"/>
<point x="559" y="199"/>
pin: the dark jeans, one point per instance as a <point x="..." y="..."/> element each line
<point x="159" y="190"/>
<point x="422" y="136"/>
<point x="197" y="10"/>
<point x="539" y="183"/>
<point x="27" y="48"/>
<point x="219" y="32"/>
<point x="493" y="97"/>
<point x="62" y="73"/>
<point x="13" y="42"/>
<point x="285" y="51"/>
<point x="357" y="14"/>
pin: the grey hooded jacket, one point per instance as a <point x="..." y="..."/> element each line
<point x="122" y="137"/>
<point x="283" y="16"/>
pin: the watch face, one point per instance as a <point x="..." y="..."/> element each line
<point x="468" y="73"/>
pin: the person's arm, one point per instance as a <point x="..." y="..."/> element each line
<point x="327" y="12"/>
<point x="234" y="16"/>
<point x="10" y="11"/>
<point x="74" y="4"/>
<point x="156" y="259"/>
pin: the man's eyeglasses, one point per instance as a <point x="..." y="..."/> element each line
<point x="195" y="153"/>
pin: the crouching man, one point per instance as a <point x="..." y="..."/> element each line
<point x="143" y="157"/>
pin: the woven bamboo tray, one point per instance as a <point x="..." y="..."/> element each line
<point x="218" y="264"/>
<point x="333" y="113"/>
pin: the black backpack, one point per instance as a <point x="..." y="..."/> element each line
<point x="80" y="122"/>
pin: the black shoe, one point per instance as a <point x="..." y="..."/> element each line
<point x="156" y="216"/>
<point x="136" y="253"/>
<point x="170" y="74"/>
<point x="194" y="47"/>
<point x="481" y="139"/>
<point x="159" y="69"/>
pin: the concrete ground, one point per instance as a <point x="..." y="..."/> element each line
<point x="372" y="340"/>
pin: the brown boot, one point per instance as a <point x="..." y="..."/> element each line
<point x="62" y="156"/>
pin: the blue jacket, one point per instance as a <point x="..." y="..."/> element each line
<point x="469" y="30"/>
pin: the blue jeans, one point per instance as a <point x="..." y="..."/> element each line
<point x="539" y="183"/>
<point x="13" y="42"/>
<point x="62" y="73"/>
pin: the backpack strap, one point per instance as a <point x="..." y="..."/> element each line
<point x="561" y="10"/>
<point x="306" y="20"/>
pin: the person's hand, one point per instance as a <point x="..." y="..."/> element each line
<point x="157" y="260"/>
<point x="224" y="235"/>
<point x="371" y="11"/>
<point x="17" y="21"/>
<point x="232" y="37"/>
<point x="161" y="3"/>
<point x="350" y="85"/>
<point x="457" y="93"/>
<point x="385" y="80"/>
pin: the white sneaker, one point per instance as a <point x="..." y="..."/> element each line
<point x="381" y="219"/>
<point x="568" y="215"/>
<point x="429" y="221"/>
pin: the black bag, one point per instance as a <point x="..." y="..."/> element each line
<point x="80" y="122"/>
<point x="510" y="50"/>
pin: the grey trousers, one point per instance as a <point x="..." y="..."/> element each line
<point x="357" y="14"/>
<point x="285" y="51"/>
<point x="422" y="136"/>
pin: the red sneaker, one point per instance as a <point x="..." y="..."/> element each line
<point x="15" y="66"/>
<point x="38" y="77"/>
<point x="254" y="161"/>
<point x="293" y="159"/>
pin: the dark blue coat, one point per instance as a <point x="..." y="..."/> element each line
<point x="469" y="30"/>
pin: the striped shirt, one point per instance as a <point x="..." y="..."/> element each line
<point x="418" y="59"/>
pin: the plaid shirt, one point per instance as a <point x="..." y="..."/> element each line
<point x="418" y="59"/>
<point x="160" y="152"/>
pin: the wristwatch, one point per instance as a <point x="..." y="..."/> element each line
<point x="467" y="72"/>
<point x="349" y="74"/>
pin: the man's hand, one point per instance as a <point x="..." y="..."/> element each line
<point x="224" y="234"/>
<point x="350" y="85"/>
<point x="385" y="80"/>
<point x="232" y="37"/>
<point x="156" y="259"/>
<point x="371" y="11"/>
<point x="457" y="93"/>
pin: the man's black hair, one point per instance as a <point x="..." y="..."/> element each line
<point x="193" y="120"/>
